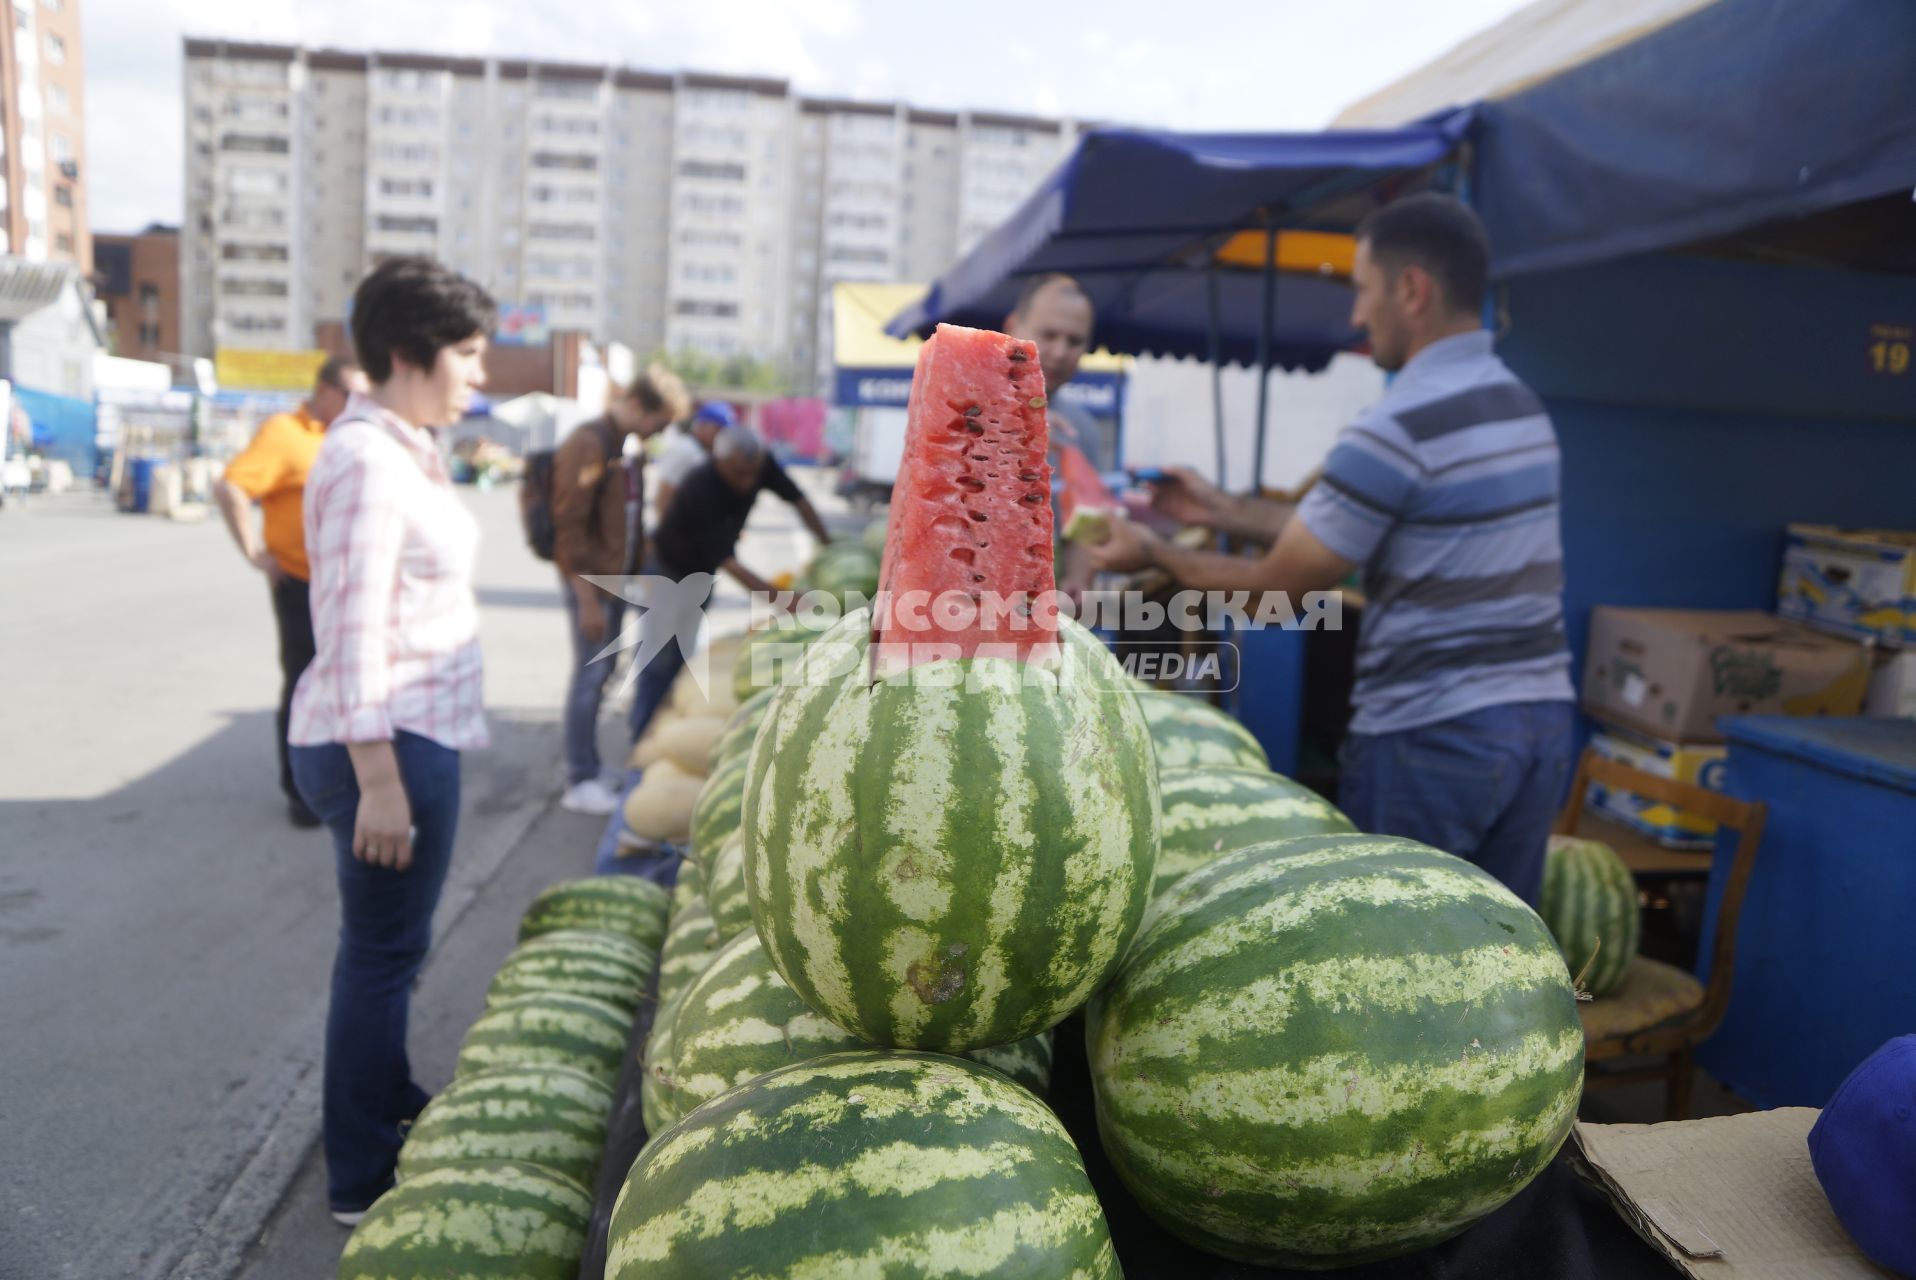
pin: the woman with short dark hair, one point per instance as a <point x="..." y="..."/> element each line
<point x="394" y="691"/>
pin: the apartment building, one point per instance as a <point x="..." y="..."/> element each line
<point x="43" y="189"/>
<point x="665" y="211"/>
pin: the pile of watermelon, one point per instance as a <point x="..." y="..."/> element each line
<point x="932" y="836"/>
<point x="494" y="1178"/>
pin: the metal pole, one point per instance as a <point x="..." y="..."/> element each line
<point x="1265" y="324"/>
<point x="1217" y="369"/>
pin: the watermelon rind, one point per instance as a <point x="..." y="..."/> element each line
<point x="476" y="1220"/>
<point x="545" y="1115"/>
<point x="628" y="905"/>
<point x="548" y="1028"/>
<point x="1589" y="901"/>
<point x="1209" y="811"/>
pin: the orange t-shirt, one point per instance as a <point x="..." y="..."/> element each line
<point x="272" y="472"/>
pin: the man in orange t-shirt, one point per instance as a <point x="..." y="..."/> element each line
<point x="271" y="471"/>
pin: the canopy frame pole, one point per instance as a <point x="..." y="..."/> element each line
<point x="1217" y="370"/>
<point x="1266" y="322"/>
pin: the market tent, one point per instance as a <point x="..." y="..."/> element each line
<point x="1150" y="224"/>
<point x="1745" y="126"/>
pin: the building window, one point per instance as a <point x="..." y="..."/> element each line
<point x="409" y="225"/>
<point x="53" y="6"/>
<point x="58" y="101"/>
<point x="56" y="50"/>
<point x="63" y="242"/>
<point x="63" y="196"/>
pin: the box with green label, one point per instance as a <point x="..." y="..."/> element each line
<point x="1671" y="672"/>
<point x="1856" y="582"/>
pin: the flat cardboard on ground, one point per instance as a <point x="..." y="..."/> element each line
<point x="1728" y="1198"/>
<point x="1671" y="672"/>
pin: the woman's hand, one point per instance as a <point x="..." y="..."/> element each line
<point x="382" y="831"/>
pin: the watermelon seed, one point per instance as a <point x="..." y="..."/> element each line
<point x="974" y="486"/>
<point x="980" y="516"/>
<point x="1032" y="497"/>
<point x="974" y="427"/>
<point x="1037" y="402"/>
<point x="972" y="411"/>
<point x="977" y="577"/>
<point x="1018" y="355"/>
<point x="964" y="555"/>
<point x="1029" y="477"/>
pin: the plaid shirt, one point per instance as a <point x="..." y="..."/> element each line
<point x="394" y="620"/>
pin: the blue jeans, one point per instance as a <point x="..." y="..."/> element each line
<point x="1484" y="786"/>
<point x="385" y="928"/>
<point x="587" y="689"/>
<point x="658" y="626"/>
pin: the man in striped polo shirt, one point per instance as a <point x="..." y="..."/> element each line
<point x="1445" y="493"/>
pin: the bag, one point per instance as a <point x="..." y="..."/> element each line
<point x="535" y="490"/>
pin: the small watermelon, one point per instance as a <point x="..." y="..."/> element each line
<point x="868" y="1163"/>
<point x="716" y="815"/>
<point x="740" y="729"/>
<point x="550" y="1116"/>
<point x="764" y="655"/>
<point x="1334" y="1049"/>
<point x="1209" y="812"/>
<point x="477" y="1220"/>
<point x="1087" y="506"/>
<point x="1590" y="903"/>
<point x="725" y="892"/>
<point x="548" y="1029"/>
<point x="872" y="537"/>
<point x="1187" y="732"/>
<point x="605" y="966"/>
<point x="628" y="905"/>
<point x="688" y="948"/>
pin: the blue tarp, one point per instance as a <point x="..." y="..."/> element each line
<point x="1136" y="216"/>
<point x="1742" y="114"/>
<point x="62" y="427"/>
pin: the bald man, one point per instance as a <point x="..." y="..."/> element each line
<point x="1054" y="313"/>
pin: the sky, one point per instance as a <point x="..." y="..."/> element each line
<point x="1222" y="64"/>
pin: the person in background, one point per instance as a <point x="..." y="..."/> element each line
<point x="696" y="537"/>
<point x="395" y="691"/>
<point x="1446" y="493"/>
<point x="1054" y="312"/>
<point x="688" y="448"/>
<point x="271" y="472"/>
<point x="596" y="498"/>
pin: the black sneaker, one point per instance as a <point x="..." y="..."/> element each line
<point x="300" y="815"/>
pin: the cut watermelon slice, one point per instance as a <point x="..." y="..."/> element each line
<point x="1086" y="504"/>
<point x="971" y="510"/>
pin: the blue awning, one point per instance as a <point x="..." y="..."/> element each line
<point x="1139" y="218"/>
<point x="1734" y="121"/>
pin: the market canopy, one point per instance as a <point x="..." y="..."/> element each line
<point x="1152" y="225"/>
<point x="1767" y="129"/>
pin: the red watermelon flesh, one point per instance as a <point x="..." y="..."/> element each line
<point x="971" y="509"/>
<point x="1086" y="504"/>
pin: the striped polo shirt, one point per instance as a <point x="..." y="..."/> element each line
<point x="1446" y="492"/>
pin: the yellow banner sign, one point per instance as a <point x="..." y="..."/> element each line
<point x="240" y="369"/>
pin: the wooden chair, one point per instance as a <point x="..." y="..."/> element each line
<point x="1660" y="1010"/>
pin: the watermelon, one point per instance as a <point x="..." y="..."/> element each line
<point x="658" y="1106"/>
<point x="606" y="966"/>
<point x="477" y="1220"/>
<point x="1589" y="896"/>
<point x="1087" y="506"/>
<point x="716" y="815"/>
<point x="549" y="1028"/>
<point x="1332" y="1049"/>
<point x="550" y="1116"/>
<point x="782" y="642"/>
<point x="872" y="537"/>
<point x="846" y="572"/>
<point x="869" y="1163"/>
<point x="972" y="508"/>
<point x="725" y="892"/>
<point x="740" y="729"/>
<point x="1209" y="812"/>
<point x="1187" y="732"/>
<point x="624" y="905"/>
<point x="688" y="949"/>
<point x="740" y="1019"/>
<point x="948" y="863"/>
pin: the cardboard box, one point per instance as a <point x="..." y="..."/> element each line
<point x="1703" y="764"/>
<point x="1671" y="672"/>
<point x="1853" y="582"/>
<point x="1892" y="685"/>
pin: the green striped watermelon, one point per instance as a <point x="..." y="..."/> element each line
<point x="740" y="1019"/>
<point x="550" y="1116"/>
<point x="869" y="1163"/>
<point x="725" y="894"/>
<point x="872" y="537"/>
<point x="626" y="905"/>
<point x="549" y="1028"/>
<point x="1589" y="901"/>
<point x="717" y="813"/>
<point x="957" y="855"/>
<point x="1331" y="1049"/>
<point x="658" y="1105"/>
<point x="753" y="671"/>
<point x="1208" y="812"/>
<point x="740" y="728"/>
<point x="606" y="966"/>
<point x="1189" y="732"/>
<point x="845" y="571"/>
<point x="689" y="945"/>
<point x="479" y="1220"/>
